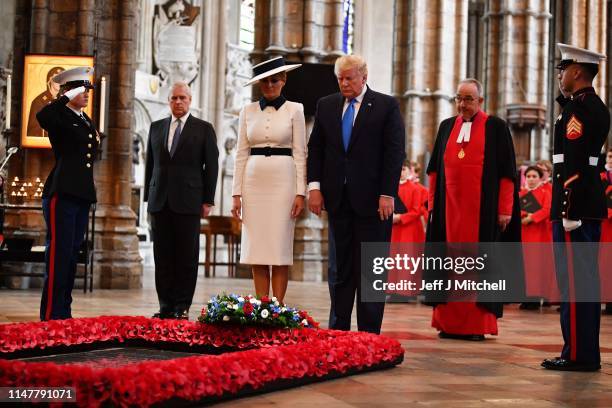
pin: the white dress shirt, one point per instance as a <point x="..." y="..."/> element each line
<point x="173" y="126"/>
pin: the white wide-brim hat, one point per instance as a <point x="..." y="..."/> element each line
<point x="270" y="67"/>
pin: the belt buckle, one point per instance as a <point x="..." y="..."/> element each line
<point x="267" y="151"/>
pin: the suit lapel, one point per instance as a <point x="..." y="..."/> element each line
<point x="337" y="115"/>
<point x="365" y="109"/>
<point x="164" y="136"/>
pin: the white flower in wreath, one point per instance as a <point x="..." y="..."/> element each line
<point x="253" y="301"/>
<point x="283" y="309"/>
<point x="226" y="318"/>
<point x="241" y="299"/>
<point x="235" y="307"/>
<point x="305" y="322"/>
<point x="274" y="299"/>
<point x="265" y="313"/>
<point x="276" y="303"/>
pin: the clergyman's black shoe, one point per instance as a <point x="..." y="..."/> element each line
<point x="561" y="364"/>
<point x="470" y="337"/>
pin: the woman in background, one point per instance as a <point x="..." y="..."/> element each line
<point x="535" y="201"/>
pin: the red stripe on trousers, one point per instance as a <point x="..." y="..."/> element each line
<point x="52" y="246"/>
<point x="572" y="299"/>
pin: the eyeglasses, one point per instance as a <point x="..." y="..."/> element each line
<point x="272" y="81"/>
<point x="467" y="99"/>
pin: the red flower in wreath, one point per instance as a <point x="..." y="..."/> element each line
<point x="247" y="308"/>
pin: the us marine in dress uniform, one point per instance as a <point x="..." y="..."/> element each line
<point x="43" y="100"/>
<point x="69" y="190"/>
<point x="578" y="206"/>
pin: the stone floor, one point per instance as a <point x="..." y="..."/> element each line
<point x="502" y="371"/>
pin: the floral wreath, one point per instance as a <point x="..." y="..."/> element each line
<point x="251" y="310"/>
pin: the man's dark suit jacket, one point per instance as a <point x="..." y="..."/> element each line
<point x="373" y="162"/>
<point x="189" y="178"/>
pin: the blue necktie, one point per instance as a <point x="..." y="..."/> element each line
<point x="175" y="138"/>
<point x="347" y="123"/>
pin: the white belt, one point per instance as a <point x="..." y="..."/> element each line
<point x="559" y="158"/>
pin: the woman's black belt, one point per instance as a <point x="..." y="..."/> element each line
<point x="271" y="151"/>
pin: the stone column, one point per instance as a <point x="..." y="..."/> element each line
<point x="309" y="50"/>
<point x="40" y="18"/>
<point x="374" y="40"/>
<point x="334" y="24"/>
<point x="429" y="59"/>
<point x="517" y="71"/>
<point x="117" y="260"/>
<point x="586" y="26"/>
<point x="85" y="22"/>
<point x="277" y="29"/>
<point x="212" y="81"/>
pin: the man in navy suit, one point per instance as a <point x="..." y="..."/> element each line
<point x="180" y="181"/>
<point x="355" y="156"/>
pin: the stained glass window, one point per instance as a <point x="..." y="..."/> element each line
<point x="347" y="32"/>
<point x="247" y="24"/>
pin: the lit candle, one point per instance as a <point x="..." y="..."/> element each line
<point x="8" y="103"/>
<point x="102" y="103"/>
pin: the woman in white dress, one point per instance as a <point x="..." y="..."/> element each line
<point x="270" y="178"/>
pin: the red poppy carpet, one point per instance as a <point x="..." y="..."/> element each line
<point x="224" y="361"/>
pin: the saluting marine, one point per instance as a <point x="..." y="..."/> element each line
<point x="578" y="206"/>
<point x="69" y="190"/>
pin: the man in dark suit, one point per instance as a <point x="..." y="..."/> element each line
<point x="180" y="181"/>
<point x="355" y="156"/>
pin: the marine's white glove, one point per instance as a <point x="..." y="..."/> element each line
<point x="74" y="92"/>
<point x="570" y="225"/>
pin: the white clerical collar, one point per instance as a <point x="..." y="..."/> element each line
<point x="464" y="133"/>
<point x="466" y="130"/>
<point x="183" y="118"/>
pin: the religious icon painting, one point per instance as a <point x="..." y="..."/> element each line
<point x="39" y="90"/>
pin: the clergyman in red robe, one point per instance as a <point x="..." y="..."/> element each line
<point x="473" y="197"/>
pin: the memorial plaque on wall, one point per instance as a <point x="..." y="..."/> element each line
<point x="176" y="47"/>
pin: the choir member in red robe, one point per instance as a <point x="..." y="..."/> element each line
<point x="546" y="167"/>
<point x="540" y="280"/>
<point x="605" y="255"/>
<point x="472" y="198"/>
<point x="408" y="229"/>
<point x="408" y="226"/>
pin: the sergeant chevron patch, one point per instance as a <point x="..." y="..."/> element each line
<point x="573" y="129"/>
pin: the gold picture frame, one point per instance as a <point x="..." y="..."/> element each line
<point x="39" y="90"/>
